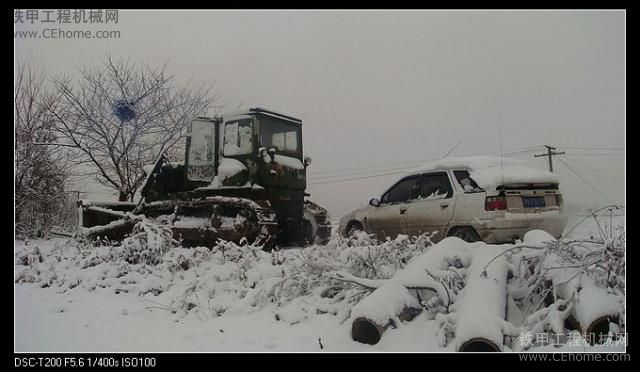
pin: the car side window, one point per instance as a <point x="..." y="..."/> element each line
<point x="434" y="186"/>
<point x="466" y="182"/>
<point x="403" y="191"/>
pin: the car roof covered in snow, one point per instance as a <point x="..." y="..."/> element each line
<point x="492" y="171"/>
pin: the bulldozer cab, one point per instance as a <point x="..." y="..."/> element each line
<point x="267" y="144"/>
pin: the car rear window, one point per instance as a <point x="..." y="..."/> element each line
<point x="466" y="182"/>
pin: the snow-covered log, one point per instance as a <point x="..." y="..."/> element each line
<point x="399" y="298"/>
<point x="595" y="310"/>
<point x="482" y="310"/>
<point x="385" y="307"/>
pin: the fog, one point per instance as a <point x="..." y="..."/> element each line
<point x="378" y="91"/>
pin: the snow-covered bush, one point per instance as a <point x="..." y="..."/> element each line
<point x="148" y="243"/>
<point x="226" y="279"/>
<point x="34" y="266"/>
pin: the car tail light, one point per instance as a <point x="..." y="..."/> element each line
<point x="494" y="203"/>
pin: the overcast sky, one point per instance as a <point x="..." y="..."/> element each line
<point x="390" y="87"/>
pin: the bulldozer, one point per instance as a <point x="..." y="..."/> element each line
<point x="243" y="179"/>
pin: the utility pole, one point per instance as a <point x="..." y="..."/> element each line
<point x="550" y="153"/>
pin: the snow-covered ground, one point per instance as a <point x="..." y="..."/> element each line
<point x="89" y="310"/>
<point x="69" y="298"/>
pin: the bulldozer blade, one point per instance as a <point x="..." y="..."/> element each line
<point x="105" y="220"/>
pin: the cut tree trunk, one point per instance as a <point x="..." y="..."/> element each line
<point x="484" y="303"/>
<point x="594" y="310"/>
<point x="384" y="308"/>
<point x="401" y="298"/>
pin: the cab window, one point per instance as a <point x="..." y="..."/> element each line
<point x="283" y="136"/>
<point x="201" y="149"/>
<point x="237" y="137"/>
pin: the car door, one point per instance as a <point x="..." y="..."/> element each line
<point x="434" y="206"/>
<point x="389" y="218"/>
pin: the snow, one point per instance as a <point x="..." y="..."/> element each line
<point x="147" y="296"/>
<point x="106" y="203"/>
<point x="288" y="161"/>
<point x="436" y="260"/>
<point x="385" y="303"/>
<point x="261" y="301"/>
<point x="109" y="226"/>
<point x="108" y="211"/>
<point x="537" y="236"/>
<point x="433" y="196"/>
<point x="491" y="171"/>
<point x="228" y="168"/>
<point x="595" y="302"/>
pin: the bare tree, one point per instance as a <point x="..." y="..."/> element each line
<point x="40" y="170"/>
<point x="121" y="117"/>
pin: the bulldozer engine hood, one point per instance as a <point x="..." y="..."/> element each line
<point x="232" y="172"/>
<point x="283" y="171"/>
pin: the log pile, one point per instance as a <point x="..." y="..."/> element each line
<point x="477" y="283"/>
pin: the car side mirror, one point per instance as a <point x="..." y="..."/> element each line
<point x="374" y="202"/>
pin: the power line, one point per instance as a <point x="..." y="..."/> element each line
<point x="357" y="178"/>
<point x="368" y="173"/>
<point x="595" y="174"/>
<point x="364" y="172"/>
<point x="599" y="171"/>
<point x="453" y="148"/>
<point x="595" y="148"/>
<point x="372" y="166"/>
<point x="328" y="179"/>
<point x="585" y="181"/>
<point x="404" y="163"/>
<point x="597" y="154"/>
<point x="369" y="169"/>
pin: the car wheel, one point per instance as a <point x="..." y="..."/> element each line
<point x="468" y="234"/>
